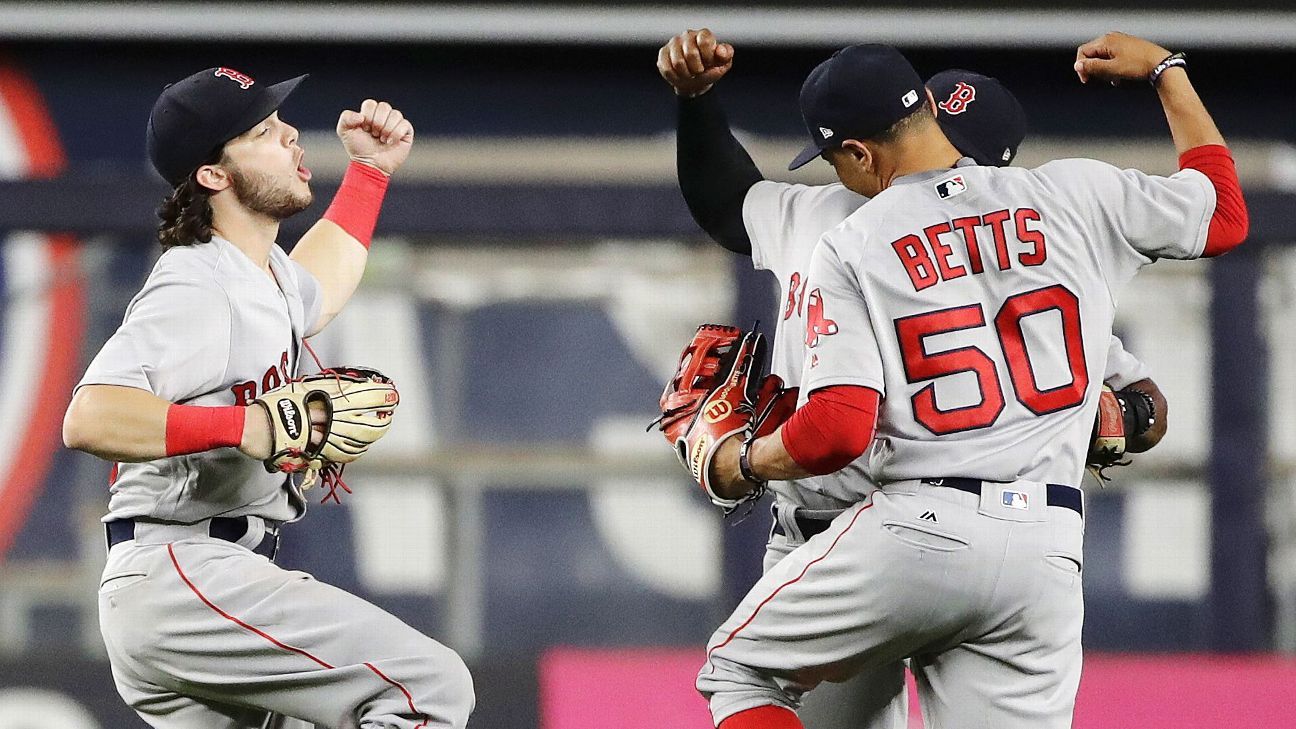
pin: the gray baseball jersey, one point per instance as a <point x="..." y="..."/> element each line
<point x="202" y="631"/>
<point x="208" y="328"/>
<point x="985" y="328"/>
<point x="784" y="223"/>
<point x="979" y="302"/>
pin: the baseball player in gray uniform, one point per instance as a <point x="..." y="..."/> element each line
<point x="778" y="225"/>
<point x="202" y="628"/>
<point x="952" y="325"/>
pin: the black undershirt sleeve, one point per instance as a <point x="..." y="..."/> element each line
<point x="715" y="172"/>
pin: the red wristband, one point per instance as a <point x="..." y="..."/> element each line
<point x="358" y="200"/>
<point x="194" y="428"/>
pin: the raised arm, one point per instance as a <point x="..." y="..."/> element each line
<point x="1119" y="57"/>
<point x="714" y="170"/>
<point x="377" y="138"/>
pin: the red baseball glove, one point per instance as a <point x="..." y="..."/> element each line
<point x="717" y="393"/>
<point x="1107" y="442"/>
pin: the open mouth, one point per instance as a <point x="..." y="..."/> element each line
<point x="302" y="170"/>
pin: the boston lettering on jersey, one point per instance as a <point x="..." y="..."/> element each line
<point x="245" y="392"/>
<point x="926" y="256"/>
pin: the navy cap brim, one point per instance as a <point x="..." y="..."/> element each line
<point x="809" y="153"/>
<point x="268" y="103"/>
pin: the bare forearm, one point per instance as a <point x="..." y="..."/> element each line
<point x="770" y="461"/>
<point x="1191" y="126"/>
<point x="337" y="260"/>
<point x="129" y="425"/>
<point x="832" y="429"/>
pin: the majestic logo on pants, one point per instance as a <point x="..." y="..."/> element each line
<point x="291" y="418"/>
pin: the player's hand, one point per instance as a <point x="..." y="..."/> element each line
<point x="377" y="135"/>
<point x="258" y="439"/>
<point x="1118" y="57"/>
<point x="693" y="61"/>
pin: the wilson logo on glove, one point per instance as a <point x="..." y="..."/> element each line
<point x="699" y="457"/>
<point x="292" y="420"/>
<point x="718" y="411"/>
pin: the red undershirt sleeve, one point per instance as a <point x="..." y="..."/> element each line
<point x="833" y="428"/>
<point x="1230" y="222"/>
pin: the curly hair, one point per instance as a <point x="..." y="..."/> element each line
<point x="186" y="214"/>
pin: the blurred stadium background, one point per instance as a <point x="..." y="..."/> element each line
<point x="535" y="276"/>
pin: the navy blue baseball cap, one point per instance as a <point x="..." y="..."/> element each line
<point x="857" y="93"/>
<point x="980" y="116"/>
<point x="193" y="118"/>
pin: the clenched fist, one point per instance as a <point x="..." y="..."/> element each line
<point x="377" y="135"/>
<point x="693" y="61"/>
<point x="1118" y="57"/>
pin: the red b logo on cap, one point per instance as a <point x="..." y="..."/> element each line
<point x="957" y="103"/>
<point x="242" y="79"/>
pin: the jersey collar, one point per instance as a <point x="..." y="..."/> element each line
<point x="931" y="174"/>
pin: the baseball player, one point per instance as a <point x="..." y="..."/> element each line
<point x="778" y="225"/>
<point x="956" y="326"/>
<point x="202" y="628"/>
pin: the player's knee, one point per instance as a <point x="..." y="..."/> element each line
<point x="459" y="688"/>
<point x="448" y="685"/>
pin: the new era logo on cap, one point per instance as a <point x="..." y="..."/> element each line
<point x="826" y="132"/>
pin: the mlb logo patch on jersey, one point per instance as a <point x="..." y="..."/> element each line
<point x="1014" y="499"/>
<point x="951" y="186"/>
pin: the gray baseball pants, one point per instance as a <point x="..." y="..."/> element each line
<point x="982" y="592"/>
<point x="204" y="634"/>
<point x="873" y="699"/>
